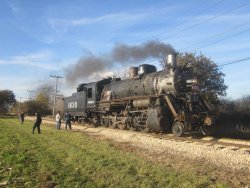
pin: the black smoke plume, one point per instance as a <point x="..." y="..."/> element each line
<point x="121" y="54"/>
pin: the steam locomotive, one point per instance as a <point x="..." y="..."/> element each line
<point x="149" y="100"/>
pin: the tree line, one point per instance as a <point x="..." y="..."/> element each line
<point x="42" y="103"/>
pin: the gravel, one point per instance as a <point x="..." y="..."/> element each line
<point x="217" y="154"/>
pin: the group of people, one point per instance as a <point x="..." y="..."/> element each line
<point x="38" y="121"/>
<point x="67" y="118"/>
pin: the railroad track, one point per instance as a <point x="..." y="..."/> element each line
<point x="209" y="141"/>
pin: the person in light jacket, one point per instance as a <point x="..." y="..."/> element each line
<point x="58" y="120"/>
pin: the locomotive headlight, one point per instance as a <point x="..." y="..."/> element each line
<point x="191" y="81"/>
<point x="194" y="81"/>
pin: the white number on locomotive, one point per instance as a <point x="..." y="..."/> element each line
<point x="72" y="104"/>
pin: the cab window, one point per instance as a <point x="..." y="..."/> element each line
<point x="89" y="92"/>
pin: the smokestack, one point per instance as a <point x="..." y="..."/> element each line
<point x="171" y="60"/>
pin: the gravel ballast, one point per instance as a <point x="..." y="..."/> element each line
<point x="219" y="155"/>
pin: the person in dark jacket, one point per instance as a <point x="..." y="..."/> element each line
<point x="37" y="123"/>
<point x="21" y="117"/>
<point x="67" y="118"/>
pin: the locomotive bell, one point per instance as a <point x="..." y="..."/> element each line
<point x="171" y="60"/>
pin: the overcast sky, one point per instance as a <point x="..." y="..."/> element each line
<point x="43" y="38"/>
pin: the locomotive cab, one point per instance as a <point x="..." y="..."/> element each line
<point x="85" y="100"/>
<point x="91" y="95"/>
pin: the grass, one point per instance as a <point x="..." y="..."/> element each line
<point x="73" y="159"/>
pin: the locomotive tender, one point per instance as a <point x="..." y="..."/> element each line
<point x="162" y="101"/>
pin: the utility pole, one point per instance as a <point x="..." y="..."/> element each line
<point x="54" y="105"/>
<point x="29" y="100"/>
<point x="30" y="93"/>
<point x="19" y="104"/>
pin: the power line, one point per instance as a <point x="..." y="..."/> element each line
<point x="202" y="11"/>
<point x="216" y="35"/>
<point x="210" y="19"/>
<point x="188" y="20"/>
<point x="234" y="62"/>
<point x="228" y="37"/>
<point x="205" y="21"/>
<point x="173" y="26"/>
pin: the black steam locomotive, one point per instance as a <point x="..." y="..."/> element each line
<point x="162" y="101"/>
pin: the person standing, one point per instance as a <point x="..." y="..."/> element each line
<point x="21" y="117"/>
<point x="67" y="118"/>
<point x="58" y="120"/>
<point x="37" y="123"/>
